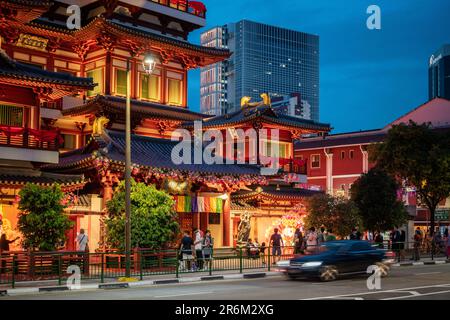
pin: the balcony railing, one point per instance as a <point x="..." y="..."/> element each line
<point x="288" y="165"/>
<point x="19" y="137"/>
<point x="196" y="8"/>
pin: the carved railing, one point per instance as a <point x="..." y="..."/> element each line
<point x="19" y="137"/>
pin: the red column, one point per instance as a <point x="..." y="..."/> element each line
<point x="226" y="221"/>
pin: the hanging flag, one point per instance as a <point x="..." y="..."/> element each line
<point x="188" y="204"/>
<point x="195" y="204"/>
<point x="201" y="204"/>
<point x="180" y="204"/>
<point x="219" y="205"/>
<point x="207" y="204"/>
<point x="213" y="205"/>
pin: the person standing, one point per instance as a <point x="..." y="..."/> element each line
<point x="83" y="246"/>
<point x="4" y="250"/>
<point x="395" y="239"/>
<point x="198" y="240"/>
<point x="379" y="239"/>
<point x="207" y="249"/>
<point x="311" y="239"/>
<point x="187" y="250"/>
<point x="417" y="244"/>
<point x="330" y="236"/>
<point x="298" y="241"/>
<point x="276" y="241"/>
<point x="321" y="236"/>
<point x="263" y="253"/>
<point x="354" y="234"/>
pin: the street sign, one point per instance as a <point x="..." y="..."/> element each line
<point x="442" y="214"/>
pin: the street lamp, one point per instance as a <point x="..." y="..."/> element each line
<point x="148" y="64"/>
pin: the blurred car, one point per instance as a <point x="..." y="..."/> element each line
<point x="337" y="258"/>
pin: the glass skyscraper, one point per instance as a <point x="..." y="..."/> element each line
<point x="265" y="59"/>
<point x="439" y="74"/>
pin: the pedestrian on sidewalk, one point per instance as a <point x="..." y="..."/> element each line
<point x="4" y="250"/>
<point x="83" y="248"/>
<point x="417" y="243"/>
<point x="395" y="240"/>
<point x="448" y="248"/>
<point x="207" y="249"/>
<point x="198" y="236"/>
<point x="330" y="235"/>
<point x="298" y="241"/>
<point x="263" y="253"/>
<point x="187" y="250"/>
<point x="311" y="240"/>
<point x="321" y="236"/>
<point x="276" y="241"/>
<point x="379" y="239"/>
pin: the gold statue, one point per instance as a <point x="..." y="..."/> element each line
<point x="99" y="125"/>
<point x="266" y="101"/>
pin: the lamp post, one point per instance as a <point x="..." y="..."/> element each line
<point x="148" y="64"/>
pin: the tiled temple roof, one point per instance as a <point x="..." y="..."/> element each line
<point x="43" y="179"/>
<point x="110" y="104"/>
<point x="265" y="114"/>
<point x="271" y="192"/>
<point x="147" y="152"/>
<point x="13" y="72"/>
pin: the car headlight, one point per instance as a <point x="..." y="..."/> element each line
<point x="312" y="264"/>
<point x="285" y="263"/>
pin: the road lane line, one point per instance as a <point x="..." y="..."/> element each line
<point x="183" y="294"/>
<point x="420" y="295"/>
<point x="376" y="292"/>
<point x="426" y="273"/>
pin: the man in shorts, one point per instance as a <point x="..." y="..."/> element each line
<point x="276" y="241"/>
<point x="187" y="251"/>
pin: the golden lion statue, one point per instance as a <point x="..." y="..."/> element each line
<point x="266" y="101"/>
<point x="99" y="125"/>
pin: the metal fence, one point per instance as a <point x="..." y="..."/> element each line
<point x="39" y="266"/>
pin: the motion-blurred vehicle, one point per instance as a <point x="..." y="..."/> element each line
<point x="333" y="259"/>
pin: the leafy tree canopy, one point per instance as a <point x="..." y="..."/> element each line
<point x="420" y="156"/>
<point x="41" y="219"/>
<point x="153" y="219"/>
<point x="336" y="213"/>
<point x="375" y="195"/>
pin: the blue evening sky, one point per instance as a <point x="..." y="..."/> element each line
<point x="368" y="78"/>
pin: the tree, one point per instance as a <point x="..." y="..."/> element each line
<point x="375" y="195"/>
<point x="420" y="157"/>
<point x="41" y="218"/>
<point x="336" y="213"/>
<point x="153" y="219"/>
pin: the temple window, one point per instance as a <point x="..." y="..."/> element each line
<point x="174" y="92"/>
<point x="97" y="76"/>
<point x="151" y="86"/>
<point x="315" y="161"/>
<point x="11" y="116"/>
<point x="284" y="149"/>
<point x="120" y="77"/>
<point x="70" y="141"/>
<point x="351" y="154"/>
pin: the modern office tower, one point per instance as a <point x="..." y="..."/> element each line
<point x="264" y="59"/>
<point x="439" y="74"/>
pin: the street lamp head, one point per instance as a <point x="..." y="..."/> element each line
<point x="149" y="63"/>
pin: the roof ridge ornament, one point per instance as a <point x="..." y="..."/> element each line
<point x="266" y="101"/>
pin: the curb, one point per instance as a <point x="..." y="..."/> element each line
<point x="426" y="263"/>
<point x="126" y="285"/>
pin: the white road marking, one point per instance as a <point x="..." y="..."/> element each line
<point x="377" y="292"/>
<point x="184" y="294"/>
<point x="426" y="273"/>
<point x="420" y="295"/>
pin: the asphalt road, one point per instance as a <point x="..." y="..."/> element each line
<point x="404" y="283"/>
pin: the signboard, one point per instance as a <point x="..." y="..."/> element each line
<point x="32" y="42"/>
<point x="442" y="214"/>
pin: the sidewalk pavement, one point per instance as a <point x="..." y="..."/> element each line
<point x="31" y="287"/>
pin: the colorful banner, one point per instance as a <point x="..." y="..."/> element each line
<point x="198" y="204"/>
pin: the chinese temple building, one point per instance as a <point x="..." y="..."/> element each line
<point x="62" y="118"/>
